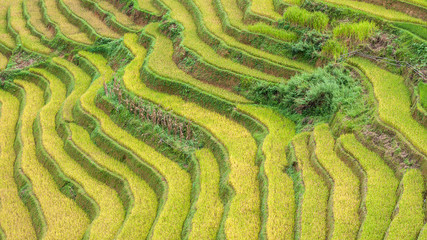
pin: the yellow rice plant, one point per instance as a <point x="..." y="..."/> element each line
<point x="394" y="102"/>
<point x="213" y="23"/>
<point x="9" y="195"/>
<point x="63" y="217"/>
<point x="346" y="185"/>
<point x="137" y="224"/>
<point x="111" y="214"/>
<point x="314" y="206"/>
<point x="36" y="18"/>
<point x="28" y="40"/>
<point x="162" y="55"/>
<point x="209" y="206"/>
<point x="281" y="197"/>
<point x="67" y="28"/>
<point x="376" y="10"/>
<point x="193" y="42"/>
<point x="265" y="8"/>
<point x="171" y="219"/>
<point x="244" y="214"/>
<point x="381" y="188"/>
<point x="91" y="18"/>
<point x="410" y="213"/>
<point x="120" y="16"/>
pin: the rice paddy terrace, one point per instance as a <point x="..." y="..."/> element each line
<point x="213" y="119"/>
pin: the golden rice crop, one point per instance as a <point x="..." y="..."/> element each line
<point x="162" y="53"/>
<point x="36" y="18"/>
<point x="91" y="18"/>
<point x="67" y="28"/>
<point x="244" y="215"/>
<point x="175" y="210"/>
<point x="193" y="42"/>
<point x="273" y="32"/>
<point x="63" y="217"/>
<point x="381" y="188"/>
<point x="28" y="40"/>
<point x="111" y="213"/>
<point x="394" y="97"/>
<point x="5" y="37"/>
<point x="120" y="16"/>
<point x="3" y="61"/>
<point x="209" y="206"/>
<point x="9" y="195"/>
<point x="213" y="23"/>
<point x="143" y="212"/>
<point x="410" y="216"/>
<point x="281" y="198"/>
<point x="265" y="8"/>
<point x="142" y="215"/>
<point x="379" y="11"/>
<point x="314" y="206"/>
<point x="346" y="195"/>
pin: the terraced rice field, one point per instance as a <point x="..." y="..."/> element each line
<point x="172" y="119"/>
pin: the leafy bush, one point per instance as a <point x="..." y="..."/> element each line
<point x="333" y="48"/>
<point x="316" y="95"/>
<point x="355" y="31"/>
<point x="274" y="32"/>
<point x="299" y="16"/>
<point x="309" y="45"/>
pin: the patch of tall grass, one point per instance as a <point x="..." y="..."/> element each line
<point x="301" y="17"/>
<point x="422" y="88"/>
<point x="333" y="48"/>
<point x="360" y="31"/>
<point x="273" y="32"/>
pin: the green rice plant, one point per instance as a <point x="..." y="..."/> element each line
<point x="301" y="17"/>
<point x="76" y="7"/>
<point x="67" y="28"/>
<point x="19" y="25"/>
<point x="377" y="10"/>
<point x="64" y="218"/>
<point x="162" y="55"/>
<point x="111" y="209"/>
<point x="171" y="219"/>
<point x="418" y="2"/>
<point x="265" y="8"/>
<point x="393" y="97"/>
<point x="36" y="18"/>
<point x="360" y="31"/>
<point x="409" y="219"/>
<point x="314" y="206"/>
<point x="280" y="197"/>
<point x="238" y="141"/>
<point x="381" y="189"/>
<point x="9" y="193"/>
<point x="144" y="208"/>
<point x="345" y="188"/>
<point x="334" y="48"/>
<point x="209" y="212"/>
<point x="273" y="32"/>
<point x="416" y="29"/>
<point x="422" y="88"/>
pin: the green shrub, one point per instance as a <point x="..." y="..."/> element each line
<point x="273" y="32"/>
<point x="360" y="31"/>
<point x="333" y="48"/>
<point x="316" y="95"/>
<point x="299" y="16"/>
